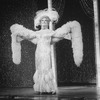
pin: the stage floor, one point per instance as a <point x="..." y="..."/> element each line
<point x="64" y="93"/>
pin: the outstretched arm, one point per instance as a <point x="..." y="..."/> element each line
<point x="22" y="32"/>
<point x="62" y="32"/>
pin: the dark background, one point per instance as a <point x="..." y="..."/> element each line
<point x="23" y="12"/>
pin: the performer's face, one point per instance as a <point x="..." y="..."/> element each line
<point x="45" y="22"/>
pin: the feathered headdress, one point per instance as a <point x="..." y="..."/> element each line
<point x="53" y="15"/>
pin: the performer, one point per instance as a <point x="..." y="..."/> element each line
<point x="44" y="38"/>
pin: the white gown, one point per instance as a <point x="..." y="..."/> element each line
<point x="44" y="77"/>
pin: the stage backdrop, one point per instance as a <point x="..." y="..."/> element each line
<point x="23" y="12"/>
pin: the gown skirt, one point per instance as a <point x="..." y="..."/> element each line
<point x="43" y="78"/>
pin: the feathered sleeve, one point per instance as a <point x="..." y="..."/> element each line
<point x="18" y="34"/>
<point x="72" y="31"/>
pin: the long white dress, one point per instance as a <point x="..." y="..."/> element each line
<point x="44" y="77"/>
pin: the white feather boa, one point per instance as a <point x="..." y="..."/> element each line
<point x="15" y="43"/>
<point x="77" y="43"/>
<point x="76" y="38"/>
